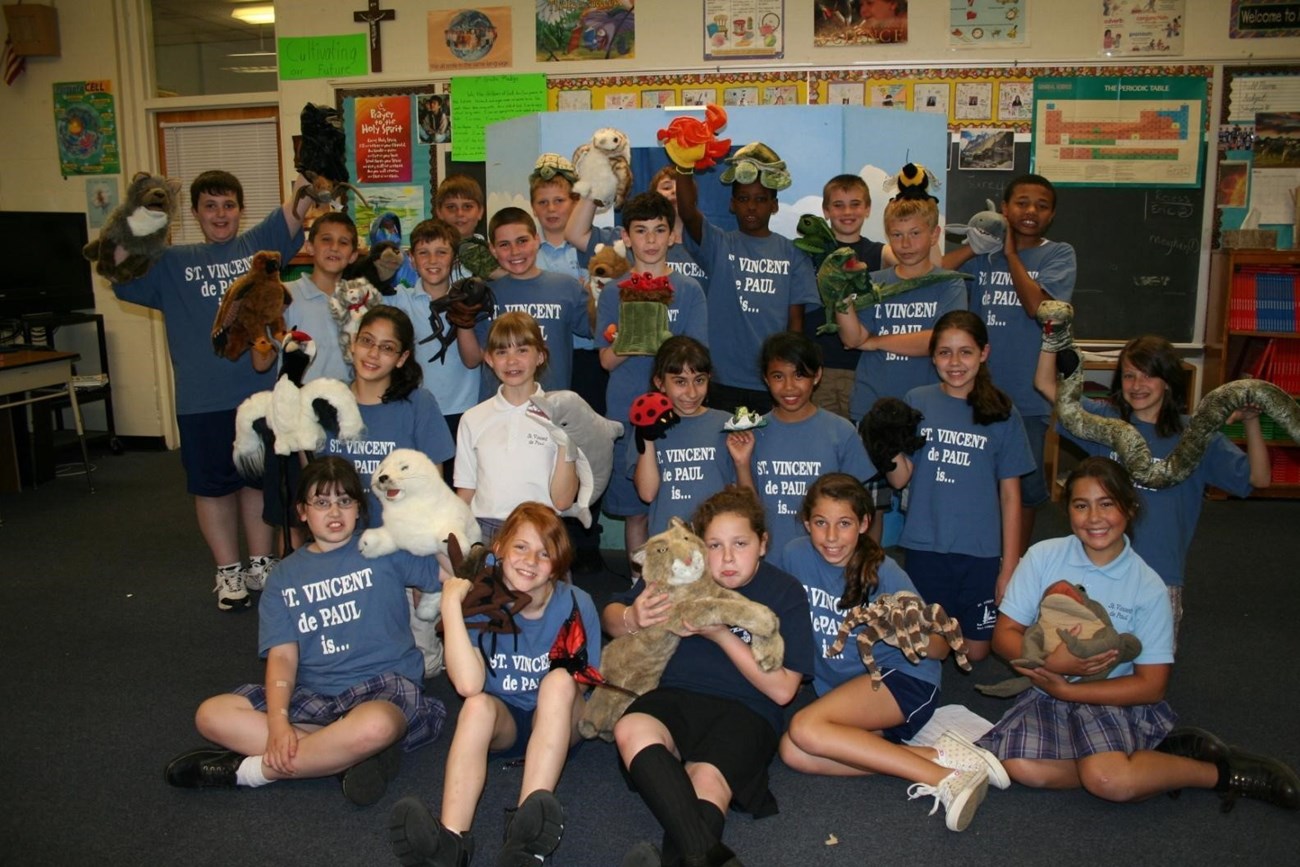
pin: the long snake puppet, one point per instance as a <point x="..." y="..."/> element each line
<point x="1124" y="439"/>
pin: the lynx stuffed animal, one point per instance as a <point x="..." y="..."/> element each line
<point x="675" y="561"/>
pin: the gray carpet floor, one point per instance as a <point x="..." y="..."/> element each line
<point x="111" y="638"/>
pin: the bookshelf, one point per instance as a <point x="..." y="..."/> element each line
<point x="1260" y="329"/>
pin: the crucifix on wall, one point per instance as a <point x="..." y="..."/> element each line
<point x="371" y="16"/>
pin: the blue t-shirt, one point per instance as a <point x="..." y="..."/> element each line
<point x="694" y="464"/>
<point x="1014" y="337"/>
<point x="687" y="315"/>
<point x="1167" y="521"/>
<point x="824" y="584"/>
<point x="954" y="505"/>
<point x="789" y="456"/>
<point x="564" y="259"/>
<point x="448" y="379"/>
<point x="752" y="284"/>
<point x="187" y="285"/>
<point x="1130" y="591"/>
<point x="679" y="259"/>
<point x="516" y="668"/>
<point x="348" y="615"/>
<point x="682" y="262"/>
<point x="559" y="304"/>
<point x="699" y="665"/>
<point x="310" y="313"/>
<point x="835" y="355"/>
<point x="415" y="423"/>
<point x="884" y="374"/>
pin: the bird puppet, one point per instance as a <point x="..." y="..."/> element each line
<point x="252" y="310"/>
<point x="299" y="417"/>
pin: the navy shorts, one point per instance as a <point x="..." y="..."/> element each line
<point x="1034" y="484"/>
<point x="207" y="449"/>
<point x="523" y="731"/>
<point x="916" y="699"/>
<point x="962" y="584"/>
<point x="424" y="713"/>
<point x="721" y="732"/>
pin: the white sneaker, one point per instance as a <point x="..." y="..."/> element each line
<point x="959" y="754"/>
<point x="230" y="589"/>
<point x="961" y="792"/>
<point x="256" y="574"/>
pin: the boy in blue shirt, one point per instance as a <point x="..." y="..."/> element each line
<point x="648" y="221"/>
<point x="557" y="301"/>
<point x="846" y="204"/>
<point x="186" y="285"/>
<point x="332" y="245"/>
<point x="1009" y="286"/>
<point x="759" y="281"/>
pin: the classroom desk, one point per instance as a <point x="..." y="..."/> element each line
<point x="33" y="375"/>
<point x="1052" y="445"/>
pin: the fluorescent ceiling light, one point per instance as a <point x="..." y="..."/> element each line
<point x="255" y="14"/>
<point x="252" y="54"/>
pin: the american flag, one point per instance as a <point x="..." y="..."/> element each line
<point x="13" y="64"/>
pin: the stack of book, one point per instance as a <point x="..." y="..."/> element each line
<point x="1264" y="299"/>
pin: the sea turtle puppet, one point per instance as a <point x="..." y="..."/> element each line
<point x="1128" y="444"/>
<point x="1066" y="616"/>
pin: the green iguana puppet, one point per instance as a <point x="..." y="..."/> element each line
<point x="1064" y="607"/>
<point x="843" y="280"/>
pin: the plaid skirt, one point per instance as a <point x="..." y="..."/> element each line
<point x="424" y="713"/>
<point x="1042" y="727"/>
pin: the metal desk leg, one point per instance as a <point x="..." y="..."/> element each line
<point x="81" y="433"/>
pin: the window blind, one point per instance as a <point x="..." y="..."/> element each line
<point x="248" y="149"/>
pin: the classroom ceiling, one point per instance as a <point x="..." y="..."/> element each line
<point x="185" y="22"/>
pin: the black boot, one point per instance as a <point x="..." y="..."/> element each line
<point x="1259" y="777"/>
<point x="1195" y="743"/>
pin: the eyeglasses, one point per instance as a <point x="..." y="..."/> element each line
<point x="365" y="341"/>
<point x="323" y="504"/>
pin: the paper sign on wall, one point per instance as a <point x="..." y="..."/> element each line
<point x="303" y="57"/>
<point x="484" y="99"/>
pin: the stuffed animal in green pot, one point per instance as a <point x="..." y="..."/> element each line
<point x="642" y="314"/>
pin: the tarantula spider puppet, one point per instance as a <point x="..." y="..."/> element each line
<point x="906" y="622"/>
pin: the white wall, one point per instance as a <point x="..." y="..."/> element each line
<point x="101" y="39"/>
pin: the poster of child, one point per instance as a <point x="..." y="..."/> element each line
<point x="435" y="118"/>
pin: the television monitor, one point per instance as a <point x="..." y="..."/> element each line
<point x="46" y="272"/>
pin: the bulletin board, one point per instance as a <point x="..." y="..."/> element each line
<point x="1242" y="182"/>
<point x="395" y="155"/>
